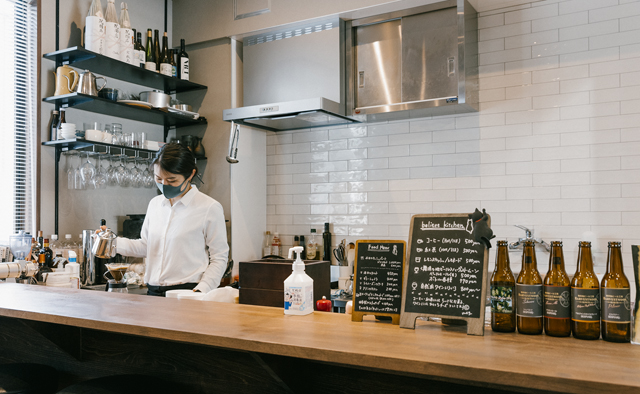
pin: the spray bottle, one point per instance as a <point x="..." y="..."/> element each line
<point x="298" y="288"/>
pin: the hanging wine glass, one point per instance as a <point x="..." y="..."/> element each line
<point x="100" y="179"/>
<point x="71" y="171"/>
<point x="148" y="175"/>
<point x="88" y="173"/>
<point x="122" y="173"/>
<point x="110" y="171"/>
<point x="135" y="173"/>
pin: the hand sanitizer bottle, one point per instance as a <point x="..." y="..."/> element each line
<point x="298" y="288"/>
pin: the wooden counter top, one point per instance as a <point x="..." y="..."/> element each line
<point x="536" y="362"/>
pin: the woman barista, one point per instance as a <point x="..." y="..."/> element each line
<point x="184" y="236"/>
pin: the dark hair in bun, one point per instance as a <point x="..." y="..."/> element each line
<point x="176" y="159"/>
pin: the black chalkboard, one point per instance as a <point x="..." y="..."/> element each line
<point x="446" y="271"/>
<point x="378" y="269"/>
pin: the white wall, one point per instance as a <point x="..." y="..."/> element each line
<point x="555" y="146"/>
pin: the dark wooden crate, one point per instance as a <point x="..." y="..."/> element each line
<point x="262" y="281"/>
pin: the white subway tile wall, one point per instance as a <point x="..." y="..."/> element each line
<point x="555" y="146"/>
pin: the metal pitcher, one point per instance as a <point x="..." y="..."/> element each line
<point x="104" y="244"/>
<point x="87" y="83"/>
<point x="66" y="80"/>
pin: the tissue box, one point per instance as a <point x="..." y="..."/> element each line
<point x="262" y="281"/>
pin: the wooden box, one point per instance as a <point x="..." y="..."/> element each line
<point x="262" y="281"/>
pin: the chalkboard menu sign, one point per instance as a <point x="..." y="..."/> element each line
<point x="446" y="272"/>
<point x="379" y="268"/>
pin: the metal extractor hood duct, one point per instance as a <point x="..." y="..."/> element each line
<point x="294" y="79"/>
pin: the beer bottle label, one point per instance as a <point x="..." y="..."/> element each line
<point x="502" y="299"/>
<point x="616" y="305"/>
<point x="585" y="304"/>
<point x="529" y="300"/>
<point x="557" y="302"/>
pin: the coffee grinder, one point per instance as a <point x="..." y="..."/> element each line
<point x="20" y="270"/>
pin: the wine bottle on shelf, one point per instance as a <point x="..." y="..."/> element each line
<point x="126" y="35"/>
<point x="529" y="293"/>
<point x="616" y="298"/>
<point x="95" y="29"/>
<point x="53" y="125"/>
<point x="156" y="48"/>
<point x="585" y="297"/>
<point x="174" y="66"/>
<point x="503" y="312"/>
<point x="150" y="60"/>
<point x="165" y="63"/>
<point x="113" y="31"/>
<point x="140" y="50"/>
<point x="557" y="295"/>
<point x="61" y="121"/>
<point x="183" y="62"/>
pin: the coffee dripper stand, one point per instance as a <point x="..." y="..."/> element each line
<point x="115" y="285"/>
<point x="21" y="270"/>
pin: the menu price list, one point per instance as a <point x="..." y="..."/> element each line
<point x="445" y="274"/>
<point x="378" y="287"/>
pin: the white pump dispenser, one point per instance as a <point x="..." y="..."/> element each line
<point x="298" y="288"/>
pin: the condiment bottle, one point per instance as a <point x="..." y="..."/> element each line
<point x="585" y="297"/>
<point x="557" y="295"/>
<point x="529" y="293"/>
<point x="323" y="305"/>
<point x="616" y="298"/>
<point x="503" y="313"/>
<point x="312" y="246"/>
<point x="276" y="245"/>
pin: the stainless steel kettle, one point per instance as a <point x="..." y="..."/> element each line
<point x="104" y="244"/>
<point x="87" y="83"/>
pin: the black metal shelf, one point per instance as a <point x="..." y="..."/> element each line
<point x="107" y="107"/>
<point x="104" y="65"/>
<point x="80" y="143"/>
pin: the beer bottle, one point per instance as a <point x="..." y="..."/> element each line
<point x="557" y="295"/>
<point x="503" y="313"/>
<point x="616" y="299"/>
<point x="585" y="297"/>
<point x="529" y="293"/>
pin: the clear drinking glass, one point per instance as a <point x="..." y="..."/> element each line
<point x="88" y="173"/>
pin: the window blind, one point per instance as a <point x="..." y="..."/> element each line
<point x="18" y="133"/>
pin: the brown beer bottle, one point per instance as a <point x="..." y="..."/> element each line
<point x="503" y="312"/>
<point x="529" y="293"/>
<point x="557" y="295"/>
<point x="616" y="298"/>
<point x="585" y="297"/>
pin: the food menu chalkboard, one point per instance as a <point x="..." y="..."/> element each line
<point x="378" y="271"/>
<point x="446" y="268"/>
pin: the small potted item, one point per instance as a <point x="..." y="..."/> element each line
<point x="323" y="305"/>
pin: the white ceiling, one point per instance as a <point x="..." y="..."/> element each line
<point x="488" y="5"/>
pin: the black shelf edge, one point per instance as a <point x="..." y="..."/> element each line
<point x="80" y="143"/>
<point x="104" y="65"/>
<point x="107" y="107"/>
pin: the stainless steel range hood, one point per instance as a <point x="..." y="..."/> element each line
<point x="290" y="115"/>
<point x="293" y="78"/>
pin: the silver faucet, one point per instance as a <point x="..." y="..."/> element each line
<point x="528" y="237"/>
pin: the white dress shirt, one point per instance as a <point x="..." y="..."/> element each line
<point x="183" y="243"/>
